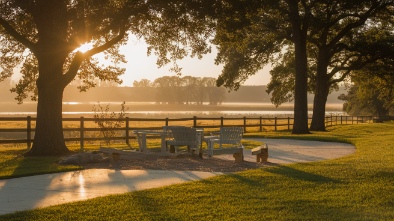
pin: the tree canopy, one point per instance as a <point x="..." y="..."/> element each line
<point x="255" y="33"/>
<point x="43" y="37"/>
<point x="372" y="90"/>
<point x="326" y="39"/>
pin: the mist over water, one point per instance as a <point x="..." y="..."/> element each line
<point x="150" y="109"/>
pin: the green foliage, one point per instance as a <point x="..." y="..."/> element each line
<point x="248" y="35"/>
<point x="44" y="39"/>
<point x="282" y="81"/>
<point x="341" y="48"/>
<point x="76" y="23"/>
<point x="326" y="38"/>
<point x="372" y="92"/>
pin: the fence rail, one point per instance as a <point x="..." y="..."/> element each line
<point x="78" y="129"/>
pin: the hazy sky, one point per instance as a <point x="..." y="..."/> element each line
<point x="140" y="66"/>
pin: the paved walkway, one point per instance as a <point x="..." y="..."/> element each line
<point x="52" y="189"/>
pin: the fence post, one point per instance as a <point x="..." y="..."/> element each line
<point x="244" y="124"/>
<point x="341" y="119"/>
<point x="325" y="121"/>
<point x="261" y="124"/>
<point x="194" y="121"/>
<point x="331" y="119"/>
<point x="28" y="132"/>
<point x="288" y="123"/>
<point x="275" y="123"/>
<point x="166" y="121"/>
<point x="127" y="131"/>
<point x="82" y="135"/>
<point x="221" y="121"/>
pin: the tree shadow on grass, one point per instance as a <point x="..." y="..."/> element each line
<point x="300" y="175"/>
<point x="311" y="209"/>
<point x="29" y="166"/>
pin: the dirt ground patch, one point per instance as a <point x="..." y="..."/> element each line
<point x="281" y="152"/>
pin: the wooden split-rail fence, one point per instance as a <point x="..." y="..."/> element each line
<point x="14" y="130"/>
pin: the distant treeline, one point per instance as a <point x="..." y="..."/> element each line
<point x="150" y="94"/>
<point x="184" y="90"/>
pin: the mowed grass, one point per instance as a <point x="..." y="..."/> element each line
<point x="14" y="164"/>
<point x="356" y="187"/>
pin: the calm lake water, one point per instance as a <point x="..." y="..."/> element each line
<point x="149" y="109"/>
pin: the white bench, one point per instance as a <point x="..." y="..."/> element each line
<point x="229" y="140"/>
<point x="183" y="136"/>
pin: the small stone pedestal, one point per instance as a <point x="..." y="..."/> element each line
<point x="261" y="153"/>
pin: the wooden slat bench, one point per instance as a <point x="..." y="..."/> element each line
<point x="229" y="140"/>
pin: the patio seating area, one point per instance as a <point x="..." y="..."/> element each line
<point x="226" y="141"/>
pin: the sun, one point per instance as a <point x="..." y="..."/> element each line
<point x="84" y="47"/>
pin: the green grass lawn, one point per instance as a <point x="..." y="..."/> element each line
<point x="356" y="187"/>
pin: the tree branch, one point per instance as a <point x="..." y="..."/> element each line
<point x="108" y="44"/>
<point x="15" y="34"/>
<point x="79" y="56"/>
<point x="362" y="19"/>
<point x="74" y="67"/>
<point x="338" y="80"/>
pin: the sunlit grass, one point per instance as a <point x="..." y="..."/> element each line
<point x="355" y="187"/>
<point x="14" y="164"/>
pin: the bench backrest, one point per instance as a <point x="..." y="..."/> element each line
<point x="231" y="135"/>
<point x="183" y="135"/>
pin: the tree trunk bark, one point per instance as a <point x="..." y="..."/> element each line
<point x="49" y="138"/>
<point x="319" y="108"/>
<point x="299" y="31"/>
<point x="300" y="92"/>
<point x="322" y="87"/>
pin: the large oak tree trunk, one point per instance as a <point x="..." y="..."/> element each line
<point x="319" y="108"/>
<point x="300" y="94"/>
<point x="322" y="87"/>
<point x="300" y="125"/>
<point x="49" y="138"/>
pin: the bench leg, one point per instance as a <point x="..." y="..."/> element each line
<point x="194" y="150"/>
<point x="262" y="157"/>
<point x="210" y="148"/>
<point x="239" y="157"/>
<point x="172" y="149"/>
